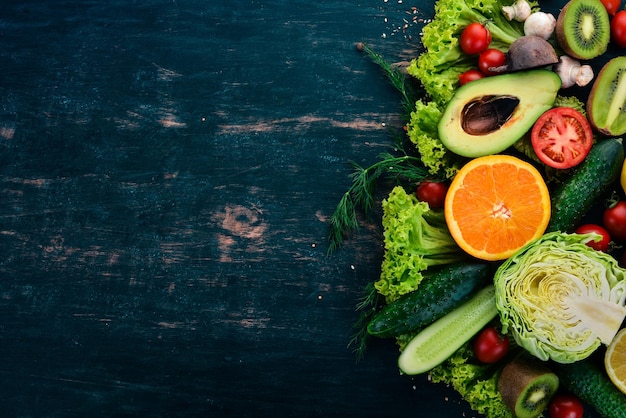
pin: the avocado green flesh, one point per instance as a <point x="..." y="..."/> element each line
<point x="532" y="93"/>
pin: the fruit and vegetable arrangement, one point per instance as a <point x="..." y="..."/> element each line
<point x="504" y="226"/>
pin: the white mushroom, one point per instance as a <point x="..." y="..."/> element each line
<point x="540" y="24"/>
<point x="520" y="10"/>
<point x="573" y="72"/>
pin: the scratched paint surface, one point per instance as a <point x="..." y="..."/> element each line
<point x="167" y="170"/>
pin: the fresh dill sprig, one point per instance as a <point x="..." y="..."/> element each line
<point x="367" y="307"/>
<point x="361" y="194"/>
<point x="396" y="77"/>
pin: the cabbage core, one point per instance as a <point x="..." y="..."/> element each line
<point x="559" y="298"/>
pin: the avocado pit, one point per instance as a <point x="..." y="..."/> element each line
<point x="487" y="114"/>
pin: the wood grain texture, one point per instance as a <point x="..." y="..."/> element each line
<point x="167" y="171"/>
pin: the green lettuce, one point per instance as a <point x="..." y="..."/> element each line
<point x="559" y="298"/>
<point x="442" y="60"/>
<point x="476" y="383"/>
<point x="415" y="238"/>
<point x="438" y="68"/>
<point x="423" y="133"/>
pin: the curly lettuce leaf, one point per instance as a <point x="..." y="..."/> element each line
<point x="415" y="238"/>
<point x="439" y="66"/>
<point x="423" y="133"/>
<point x="559" y="298"/>
<point x="476" y="383"/>
<point x="570" y="101"/>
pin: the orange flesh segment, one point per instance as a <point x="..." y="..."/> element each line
<point x="615" y="360"/>
<point x="496" y="205"/>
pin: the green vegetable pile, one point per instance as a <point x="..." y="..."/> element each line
<point x="416" y="238"/>
<point x="476" y="383"/>
<point x="439" y="66"/>
<point x="556" y="297"/>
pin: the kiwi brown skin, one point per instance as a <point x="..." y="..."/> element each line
<point x="522" y="378"/>
<point x="572" y="46"/>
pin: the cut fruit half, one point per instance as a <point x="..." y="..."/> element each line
<point x="615" y="360"/>
<point x="605" y="105"/>
<point x="583" y="29"/>
<point x="495" y="205"/>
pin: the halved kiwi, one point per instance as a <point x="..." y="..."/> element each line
<point x="526" y="386"/>
<point x="583" y="29"/>
<point x="606" y="105"/>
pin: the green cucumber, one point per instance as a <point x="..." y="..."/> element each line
<point x="438" y="341"/>
<point x="441" y="290"/>
<point x="588" y="380"/>
<point x="589" y="181"/>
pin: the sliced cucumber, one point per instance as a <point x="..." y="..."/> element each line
<point x="438" y="341"/>
<point x="442" y="290"/>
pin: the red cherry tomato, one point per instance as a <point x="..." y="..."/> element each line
<point x="490" y="346"/>
<point x="433" y="193"/>
<point x="562" y="137"/>
<point x="614" y="220"/>
<point x="566" y="406"/>
<point x="603" y="244"/>
<point x="611" y="6"/>
<point x="618" y="28"/>
<point x="475" y="38"/>
<point x="489" y="59"/>
<point x="470" y="75"/>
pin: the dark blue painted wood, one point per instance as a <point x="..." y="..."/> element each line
<point x="167" y="170"/>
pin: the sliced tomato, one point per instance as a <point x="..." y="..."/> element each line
<point x="562" y="137"/>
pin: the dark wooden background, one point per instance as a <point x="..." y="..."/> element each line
<point x="167" y="172"/>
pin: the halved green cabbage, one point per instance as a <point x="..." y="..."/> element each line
<point x="559" y="298"/>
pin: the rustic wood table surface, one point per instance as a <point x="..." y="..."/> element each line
<point x="167" y="170"/>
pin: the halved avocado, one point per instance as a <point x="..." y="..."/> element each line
<point x="488" y="115"/>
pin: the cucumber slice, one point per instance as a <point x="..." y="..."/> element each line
<point x="438" y="341"/>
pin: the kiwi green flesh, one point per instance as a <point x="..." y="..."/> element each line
<point x="583" y="29"/>
<point x="527" y="386"/>
<point x="606" y="106"/>
<point x="536" y="396"/>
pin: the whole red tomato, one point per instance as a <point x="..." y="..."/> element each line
<point x="490" y="346"/>
<point x="489" y="59"/>
<point x="470" y="75"/>
<point x="618" y="28"/>
<point x="566" y="406"/>
<point x="433" y="193"/>
<point x="611" y="6"/>
<point x="603" y="244"/>
<point x="475" y="38"/>
<point x="614" y="220"/>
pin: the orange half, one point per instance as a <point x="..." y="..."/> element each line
<point x="495" y="205"/>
